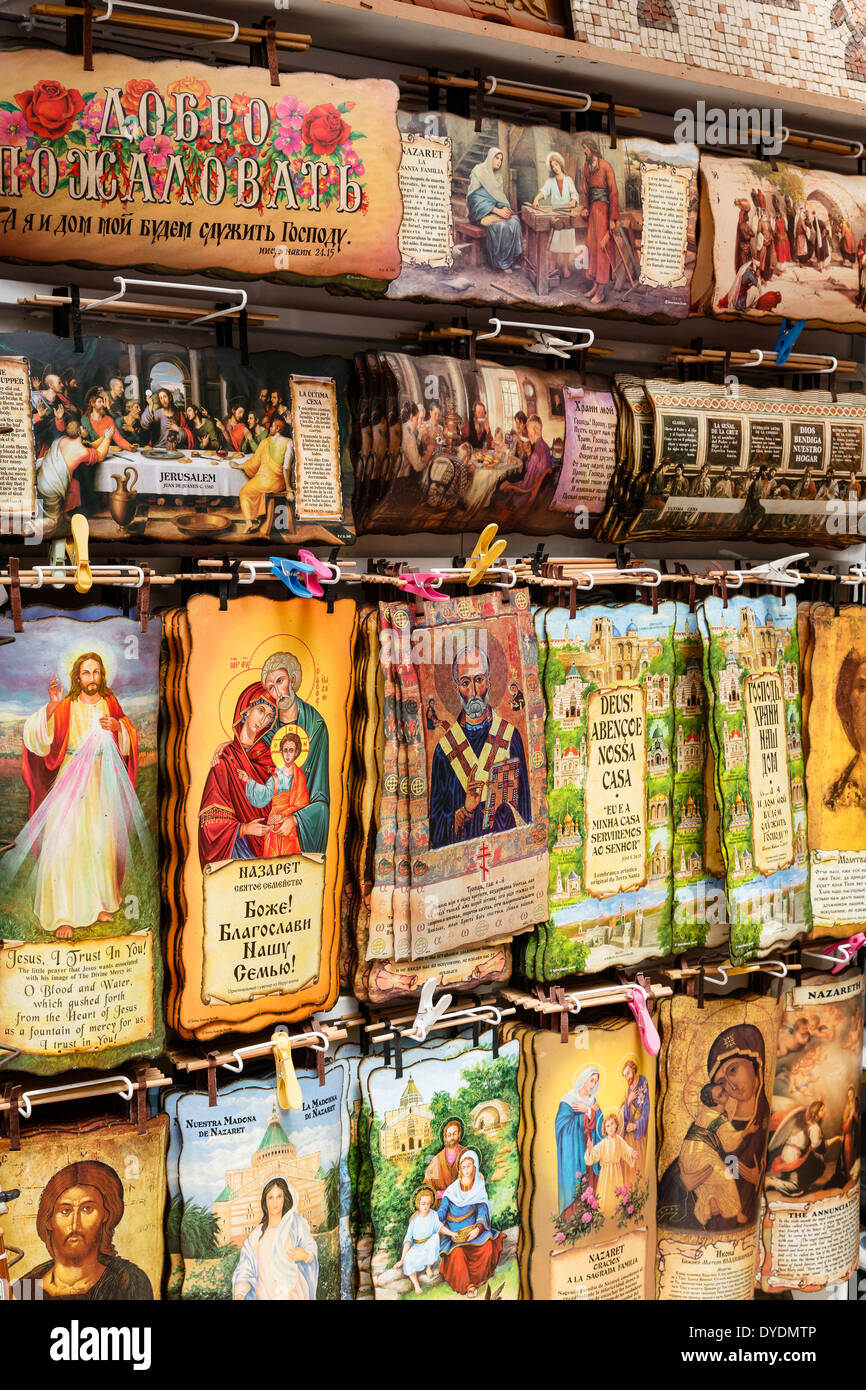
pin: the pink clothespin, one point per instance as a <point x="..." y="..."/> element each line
<point x="320" y="570"/>
<point x="847" y="949"/>
<point x="648" y="1031"/>
<point x="424" y="583"/>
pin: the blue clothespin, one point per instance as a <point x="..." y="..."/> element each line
<point x="291" y="573"/>
<point x="788" y="335"/>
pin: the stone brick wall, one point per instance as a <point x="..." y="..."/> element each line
<point x="819" y="45"/>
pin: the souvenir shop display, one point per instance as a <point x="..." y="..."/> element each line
<point x="609" y="734"/>
<point x="432" y="660"/>
<point x="752" y="679"/>
<point x="255" y="813"/>
<point x="531" y="215"/>
<point x="835" y="790"/>
<point x="779" y="240"/>
<point x="716" y="1070"/>
<point x="86" y="1220"/>
<point x="80" y="950"/>
<point x="810" y="1221"/>
<point x="587" y="1163"/>
<point x="178" y="167"/>
<point x="161" y="441"/>
<point x="457" y="444"/>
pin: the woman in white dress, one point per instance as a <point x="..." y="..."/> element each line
<point x="559" y="191"/>
<point x="279" y="1261"/>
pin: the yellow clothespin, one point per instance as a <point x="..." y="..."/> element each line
<point x="487" y="551"/>
<point x="78" y="552"/>
<point x="288" y="1087"/>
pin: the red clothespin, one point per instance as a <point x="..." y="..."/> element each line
<point x="423" y="583"/>
<point x="648" y="1031"/>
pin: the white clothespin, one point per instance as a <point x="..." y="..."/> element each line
<point x="428" y="1011"/>
<point x="773" y="571"/>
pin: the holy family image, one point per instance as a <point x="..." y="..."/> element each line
<point x="444" y="1199"/>
<point x="260" y="828"/>
<point x="544" y="217"/>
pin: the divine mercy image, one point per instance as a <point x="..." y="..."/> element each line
<point x="78" y="770"/>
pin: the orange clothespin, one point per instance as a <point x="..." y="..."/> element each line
<point x="288" y="1087"/>
<point x="487" y="551"/>
<point x="78" y="551"/>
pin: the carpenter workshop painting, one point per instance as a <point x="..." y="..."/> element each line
<point x="160" y="441"/>
<point x="532" y="215"/>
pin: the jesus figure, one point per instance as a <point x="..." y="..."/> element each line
<point x="80" y="760"/>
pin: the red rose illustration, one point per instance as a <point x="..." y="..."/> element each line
<point x="134" y="91"/>
<point x="324" y="129"/>
<point x="50" y="109"/>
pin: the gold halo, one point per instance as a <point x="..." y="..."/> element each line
<point x="591" y="1066"/>
<point x="61" y="660"/>
<point x="629" y="1057"/>
<point x="277" y="745"/>
<point x="230" y="695"/>
<point x="287" y="642"/>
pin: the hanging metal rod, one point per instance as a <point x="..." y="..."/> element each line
<point x="212" y="29"/>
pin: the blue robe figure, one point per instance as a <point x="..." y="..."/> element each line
<point x="448" y="789"/>
<point x="578" y="1125"/>
<point x="504" y="240"/>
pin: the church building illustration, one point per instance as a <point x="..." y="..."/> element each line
<point x="406" y="1129"/>
<point x="238" y="1208"/>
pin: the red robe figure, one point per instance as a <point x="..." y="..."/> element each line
<point x="600" y="206"/>
<point x="228" y="826"/>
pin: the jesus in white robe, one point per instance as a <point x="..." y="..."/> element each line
<point x="79" y="764"/>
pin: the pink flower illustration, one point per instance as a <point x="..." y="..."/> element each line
<point x="91" y="116"/>
<point x="288" y="142"/>
<point x="24" y="172"/>
<point x="620" y="1191"/>
<point x="13" y="128"/>
<point x="587" y="1217"/>
<point x="289" y="107"/>
<point x="559" y="1237"/>
<point x="157" y="148"/>
<point x="590" y="1192"/>
<point x="631" y="1211"/>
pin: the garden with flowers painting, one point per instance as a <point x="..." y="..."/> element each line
<point x="186" y="159"/>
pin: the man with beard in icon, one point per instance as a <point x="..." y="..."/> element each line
<point x="281" y="677"/>
<point x="465" y="757"/>
<point x="79" y="1210"/>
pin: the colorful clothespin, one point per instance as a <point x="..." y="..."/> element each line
<point x="647" y="1029"/>
<point x="847" y="951"/>
<point x="291" y="572"/>
<point x="320" y="570"/>
<point x="788" y="335"/>
<point x="425" y="584"/>
<point x="78" y="551"/>
<point x="487" y="551"/>
<point x="288" y="1087"/>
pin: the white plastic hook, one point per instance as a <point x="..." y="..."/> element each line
<point x="124" y="281"/>
<point x="25" y="1106"/>
<point x="159" y="9"/>
<point x="569" y="328"/>
<point x="714" y="979"/>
